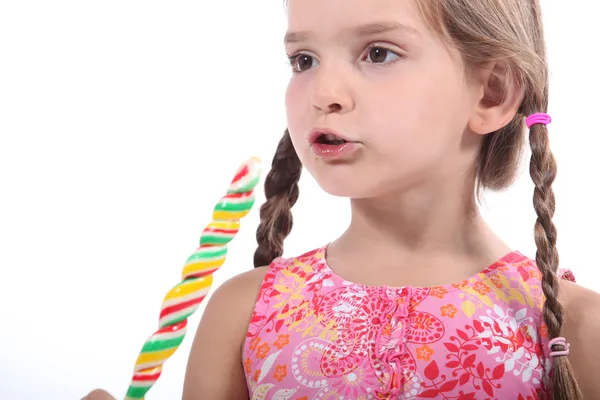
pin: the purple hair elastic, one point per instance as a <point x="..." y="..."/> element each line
<point x="561" y="341"/>
<point x="538" y="118"/>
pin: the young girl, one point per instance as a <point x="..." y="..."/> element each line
<point x="409" y="108"/>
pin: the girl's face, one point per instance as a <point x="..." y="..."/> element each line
<point x="372" y="71"/>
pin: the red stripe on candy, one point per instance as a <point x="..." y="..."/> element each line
<point x="225" y="231"/>
<point x="172" y="328"/>
<point x="179" y="307"/>
<point x="144" y="378"/>
<point x="241" y="173"/>
<point x="201" y="274"/>
<point x="238" y="195"/>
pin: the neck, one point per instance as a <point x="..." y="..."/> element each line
<point x="422" y="223"/>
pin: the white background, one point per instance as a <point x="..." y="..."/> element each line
<point x="121" y="124"/>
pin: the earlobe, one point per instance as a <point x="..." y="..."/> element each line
<point x="499" y="98"/>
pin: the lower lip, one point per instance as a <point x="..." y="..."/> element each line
<point x="334" y="152"/>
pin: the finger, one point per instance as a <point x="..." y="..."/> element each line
<point x="98" y="394"/>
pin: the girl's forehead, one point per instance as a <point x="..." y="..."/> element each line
<point x="334" y="12"/>
<point x="345" y="18"/>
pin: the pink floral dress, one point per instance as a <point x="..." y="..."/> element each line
<point x="315" y="336"/>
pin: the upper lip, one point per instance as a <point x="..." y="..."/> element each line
<point x="314" y="134"/>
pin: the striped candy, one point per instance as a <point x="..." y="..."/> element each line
<point x="196" y="279"/>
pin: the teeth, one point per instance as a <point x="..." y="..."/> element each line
<point x="331" y="137"/>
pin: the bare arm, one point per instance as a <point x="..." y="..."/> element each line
<point x="582" y="331"/>
<point x="215" y="369"/>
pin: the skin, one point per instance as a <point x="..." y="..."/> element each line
<point x="420" y="121"/>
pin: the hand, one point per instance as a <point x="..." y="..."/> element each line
<point x="98" y="394"/>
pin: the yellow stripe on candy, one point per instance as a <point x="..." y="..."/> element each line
<point x="225" y="215"/>
<point x="202" y="266"/>
<point x="226" y="225"/>
<point x="186" y="288"/>
<point x="152" y="358"/>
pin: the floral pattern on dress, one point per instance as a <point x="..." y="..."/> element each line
<point x="314" y="335"/>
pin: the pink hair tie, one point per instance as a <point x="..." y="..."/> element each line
<point x="538" y="118"/>
<point x="560" y="341"/>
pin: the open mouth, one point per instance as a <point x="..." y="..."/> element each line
<point x="330" y="139"/>
<point x="327" y="145"/>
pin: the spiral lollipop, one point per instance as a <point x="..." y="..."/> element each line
<point x="197" y="278"/>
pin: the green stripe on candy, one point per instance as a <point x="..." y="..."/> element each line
<point x="207" y="255"/>
<point x="137" y="392"/>
<point x="160" y="345"/>
<point x="226" y="206"/>
<point x="219" y="240"/>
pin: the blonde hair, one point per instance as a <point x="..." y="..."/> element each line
<point x="482" y="31"/>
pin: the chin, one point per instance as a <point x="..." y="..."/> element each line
<point x="339" y="184"/>
<point x="353" y="177"/>
<point x="344" y="192"/>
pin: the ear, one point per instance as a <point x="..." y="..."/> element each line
<point x="498" y="97"/>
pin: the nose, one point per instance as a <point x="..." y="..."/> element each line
<point x="331" y="93"/>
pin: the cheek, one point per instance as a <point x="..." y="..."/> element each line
<point x="296" y="111"/>
<point x="295" y="99"/>
<point x="418" y="108"/>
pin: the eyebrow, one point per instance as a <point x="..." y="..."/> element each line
<point x="362" y="30"/>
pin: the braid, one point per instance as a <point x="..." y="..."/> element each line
<point x="281" y="191"/>
<point x="543" y="172"/>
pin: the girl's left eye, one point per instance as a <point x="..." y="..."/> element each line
<point x="380" y="55"/>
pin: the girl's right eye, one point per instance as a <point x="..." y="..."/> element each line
<point x="301" y="62"/>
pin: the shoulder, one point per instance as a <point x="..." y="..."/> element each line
<point x="581" y="306"/>
<point x="571" y="293"/>
<point x="239" y="293"/>
<point x="229" y="309"/>
<point x="582" y="329"/>
<point x="252" y="277"/>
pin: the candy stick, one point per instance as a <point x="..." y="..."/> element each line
<point x="197" y="278"/>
